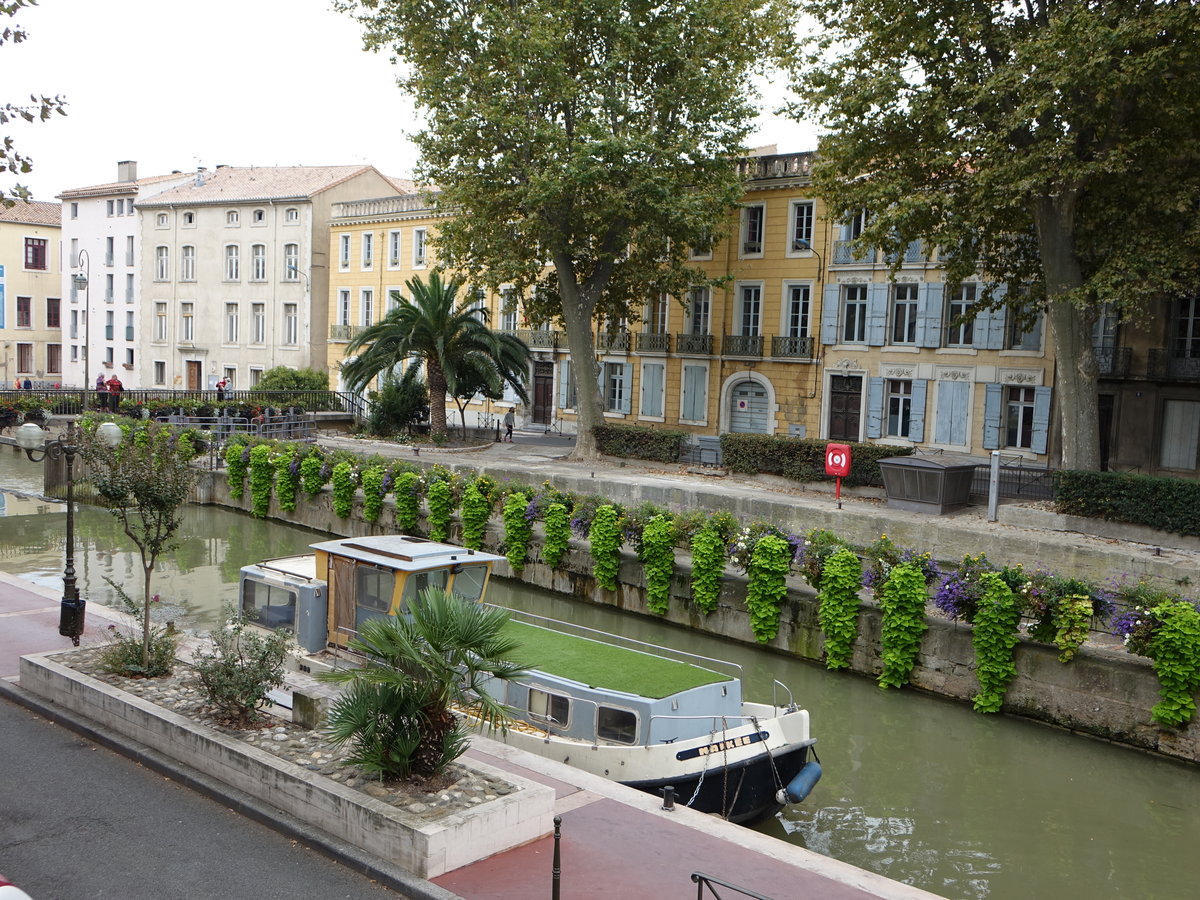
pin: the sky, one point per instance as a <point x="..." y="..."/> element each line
<point x="176" y="85"/>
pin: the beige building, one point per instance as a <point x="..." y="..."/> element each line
<point x="30" y="299"/>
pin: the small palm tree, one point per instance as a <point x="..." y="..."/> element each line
<point x="397" y="713"/>
<point x="450" y="339"/>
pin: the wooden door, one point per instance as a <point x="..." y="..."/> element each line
<point x="342" y="602"/>
<point x="193" y="375"/>
<point x="543" y="392"/>
<point x="845" y="407"/>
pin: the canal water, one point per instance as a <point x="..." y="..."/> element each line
<point x="919" y="789"/>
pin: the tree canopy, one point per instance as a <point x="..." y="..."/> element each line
<point x="583" y="146"/>
<point x="1050" y="146"/>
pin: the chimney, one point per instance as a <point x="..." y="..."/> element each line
<point x="127" y="170"/>
<point x="200" y="170"/>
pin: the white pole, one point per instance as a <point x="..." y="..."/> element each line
<point x="994" y="488"/>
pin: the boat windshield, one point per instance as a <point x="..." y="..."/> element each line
<point x="419" y="581"/>
<point x="468" y="583"/>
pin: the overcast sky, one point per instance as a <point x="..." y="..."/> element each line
<point x="176" y="85"/>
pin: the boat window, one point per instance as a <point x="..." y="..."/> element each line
<point x="549" y="707"/>
<point x="619" y="725"/>
<point x="373" y="594"/>
<point x="268" y="605"/>
<point x="468" y="583"/>
<point x="419" y="581"/>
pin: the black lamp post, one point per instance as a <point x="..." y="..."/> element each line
<point x="32" y="439"/>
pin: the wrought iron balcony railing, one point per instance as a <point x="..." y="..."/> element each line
<point x="653" y="343"/>
<point x="742" y="345"/>
<point x="1164" y="364"/>
<point x="700" y="344"/>
<point x="612" y="342"/>
<point x="1113" y="361"/>
<point x="845" y="253"/>
<point x="792" y="347"/>
<point x="344" y="332"/>
<point x="539" y="338"/>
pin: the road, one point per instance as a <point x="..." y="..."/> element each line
<point x="79" y="822"/>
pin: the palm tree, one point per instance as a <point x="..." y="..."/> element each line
<point x="397" y="712"/>
<point x="450" y="339"/>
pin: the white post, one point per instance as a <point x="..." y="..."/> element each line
<point x="994" y="488"/>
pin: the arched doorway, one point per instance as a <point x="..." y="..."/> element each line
<point x="748" y="406"/>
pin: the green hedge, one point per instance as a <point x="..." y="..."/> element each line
<point x="636" y="442"/>
<point x="802" y="459"/>
<point x="1168" y="504"/>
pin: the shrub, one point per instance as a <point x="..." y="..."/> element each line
<point x="801" y="459"/>
<point x="123" y="656"/>
<point x="476" y="511"/>
<point x="400" y="405"/>
<point x="837" y="611"/>
<point x="557" y="526"/>
<point x="344" y="488"/>
<point x="408" y="502"/>
<point x="1168" y="504"/>
<point x="640" y="442"/>
<point x="440" y="498"/>
<point x="314" y="473"/>
<point x="262" y="480"/>
<point x="241" y="669"/>
<point x="994" y="637"/>
<point x="517" y="530"/>
<point x="657" y="554"/>
<point x="767" y="589"/>
<point x="373" y="492"/>
<point x="282" y="378"/>
<point x="237" y="459"/>
<point x="287" y="478"/>
<point x="708" y="565"/>
<point x="819" y="545"/>
<point x="604" y="539"/>
<point x="902" y="602"/>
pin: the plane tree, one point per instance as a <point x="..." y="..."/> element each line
<point x="39" y="107"/>
<point x="1050" y="146"/>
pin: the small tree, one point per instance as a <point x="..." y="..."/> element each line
<point x="144" y="482"/>
<point x="281" y="378"/>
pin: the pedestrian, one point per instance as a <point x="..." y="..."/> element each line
<point x="509" y="421"/>
<point x="115" y="389"/>
<point x="221" y="385"/>
<point x="101" y="392"/>
<point x="28" y="385"/>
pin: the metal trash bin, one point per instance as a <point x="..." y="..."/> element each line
<point x="922" y="484"/>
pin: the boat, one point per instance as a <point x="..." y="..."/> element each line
<point x="661" y="720"/>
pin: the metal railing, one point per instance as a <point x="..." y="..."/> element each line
<point x="792" y="347"/>
<point x="345" y="332"/>
<point x="742" y="345"/>
<point x="1162" y="363"/>
<point x="700" y="344"/>
<point x="848" y="253"/>
<point x="73" y="401"/>
<point x="539" y="338"/>
<point x="653" y="343"/>
<point x="1113" y="361"/>
<point x="612" y="342"/>
<point x="703" y="881"/>
<point x="1018" y="479"/>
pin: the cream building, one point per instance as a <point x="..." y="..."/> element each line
<point x="30" y="300"/>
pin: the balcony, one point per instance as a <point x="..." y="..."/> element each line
<point x="344" y="332"/>
<point x="653" y="343"/>
<point x="1113" y="362"/>
<point x="743" y="345"/>
<point x="778" y="165"/>
<point x="845" y="253"/>
<point x="1164" y="364"/>
<point x="792" y="347"/>
<point x="699" y="344"/>
<point x="914" y="252"/>
<point x="539" y="339"/>
<point x="612" y="342"/>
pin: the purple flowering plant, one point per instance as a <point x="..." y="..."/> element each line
<point x="884" y="555"/>
<point x="741" y="546"/>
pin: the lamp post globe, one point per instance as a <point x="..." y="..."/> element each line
<point x="30" y="437"/>
<point x="110" y="434"/>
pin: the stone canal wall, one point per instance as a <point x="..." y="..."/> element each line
<point x="1103" y="692"/>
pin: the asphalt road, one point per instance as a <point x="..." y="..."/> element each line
<point x="78" y="821"/>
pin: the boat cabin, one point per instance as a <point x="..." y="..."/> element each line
<point x="326" y="596"/>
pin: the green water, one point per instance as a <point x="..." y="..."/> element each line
<point x="916" y="788"/>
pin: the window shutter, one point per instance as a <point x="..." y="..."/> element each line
<point x="564" y="384"/>
<point x="916" y="422"/>
<point x="992" y="399"/>
<point x="652" y="392"/>
<point x="627" y="382"/>
<point x="989" y="324"/>
<point x="952" y="411"/>
<point x="929" y="314"/>
<point x="830" y="299"/>
<point x="877" y="308"/>
<point x="1041" y="419"/>
<point x="694" y="399"/>
<point x="875" y="408"/>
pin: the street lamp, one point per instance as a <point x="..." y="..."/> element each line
<point x="32" y="440"/>
<point x="81" y="282"/>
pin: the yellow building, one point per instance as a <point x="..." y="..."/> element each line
<point x="31" y="326"/>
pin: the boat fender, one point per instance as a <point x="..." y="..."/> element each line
<point x="801" y="786"/>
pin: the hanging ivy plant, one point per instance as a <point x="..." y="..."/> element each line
<point x="343" y="489"/>
<point x="312" y="474"/>
<point x="604" y="538"/>
<point x="1175" y="649"/>
<point x="517" y="530"/>
<point x="262" y="480"/>
<point x="408" y="502"/>
<point x="994" y="636"/>
<point x="441" y="505"/>
<point x="770" y="561"/>
<point x="476" y="511"/>
<point x="287" y="478"/>
<point x="837" y="612"/>
<point x="657" y="554"/>
<point x="1072" y="618"/>
<point x="373" y="492"/>
<point x="902" y="601"/>
<point x="237" y="459"/>
<point x="708" y="566"/>
<point x="819" y="545"/>
<point x="557" y="527"/>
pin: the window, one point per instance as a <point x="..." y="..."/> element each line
<point x="120" y="207"/>
<point x="25" y="358"/>
<point x="344" y="251"/>
<point x="187" y="263"/>
<point x="1024" y="331"/>
<point x="703" y="248"/>
<point x="749" y="310"/>
<point x="616" y="387"/>
<point x="1180" y="434"/>
<point x="854" y="319"/>
<point x="1187" y="327"/>
<point x="74" y="210"/>
<point x="699" y="302"/>
<point x="798" y="306"/>
<point x="109" y="325"/>
<point x="230" y="376"/>
<point x="187" y="322"/>
<point x="24" y="312"/>
<point x="960" y="333"/>
<point x="258" y="217"/>
<point x="291" y="329"/>
<point x="394" y="249"/>
<point x="233" y="262"/>
<point x="109" y="208"/>
<point x="368" y="249"/>
<point x="656" y="315"/>
<point x="109" y="251"/>
<point x="258" y="262"/>
<point x="899" y="407"/>
<point x="256" y="374"/>
<point x="547" y="707"/>
<point x="855" y="225"/>
<point x="108" y="357"/>
<point x="74" y="333"/>
<point x="160" y="372"/>
<point x="35" y="253"/>
<point x="394" y="299"/>
<point x="54" y="358"/>
<point x="161" y="220"/>
<point x="129" y="358"/>
<point x="367" y="303"/>
<point x="1018" y="418"/>
<point x="291" y="215"/>
<point x="129" y="283"/>
<point x="418" y="247"/>
<point x="802" y="224"/>
<point x="108" y="288"/>
<point x="258" y="316"/>
<point x="189" y="219"/>
<point x="74" y="254"/>
<point x="129" y="249"/>
<point x="617" y="725"/>
<point x="53" y="312"/>
<point x="291" y="262"/>
<point x="74" y="353"/>
<point x="160" y="321"/>
<point x="753" y="217"/>
<point x="343" y="312"/>
<point x="162" y="263"/>
<point x="904" y="314"/>
<point x="509" y="308"/>
<point x="652" y="389"/>
<point x="231" y="323"/>
<point x="232" y="217"/>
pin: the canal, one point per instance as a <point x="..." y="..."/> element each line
<point x="919" y="789"/>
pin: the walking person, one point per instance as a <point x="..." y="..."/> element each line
<point x="115" y="389"/>
<point x="509" y="421"/>
<point x="221" y="385"/>
<point x="101" y="392"/>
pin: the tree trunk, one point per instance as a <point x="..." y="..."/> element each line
<point x="1071" y="325"/>
<point x="579" y="307"/>
<point x="148" y="572"/>
<point x="437" y="399"/>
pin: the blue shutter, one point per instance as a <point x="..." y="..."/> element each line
<point x="652" y="378"/>
<point x="951" y="425"/>
<point x="989" y="324"/>
<point x="992" y="400"/>
<point x="929" y="314"/>
<point x="564" y="384"/>
<point x="875" y="408"/>
<point x="1041" y="419"/>
<point x="877" y="309"/>
<point x="695" y="398"/>
<point x="916" y="422"/>
<point x="627" y="381"/>
<point x="830" y="299"/>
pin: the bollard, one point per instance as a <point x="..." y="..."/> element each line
<point x="497" y="431"/>
<point x="557" y="871"/>
<point x="669" y="798"/>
